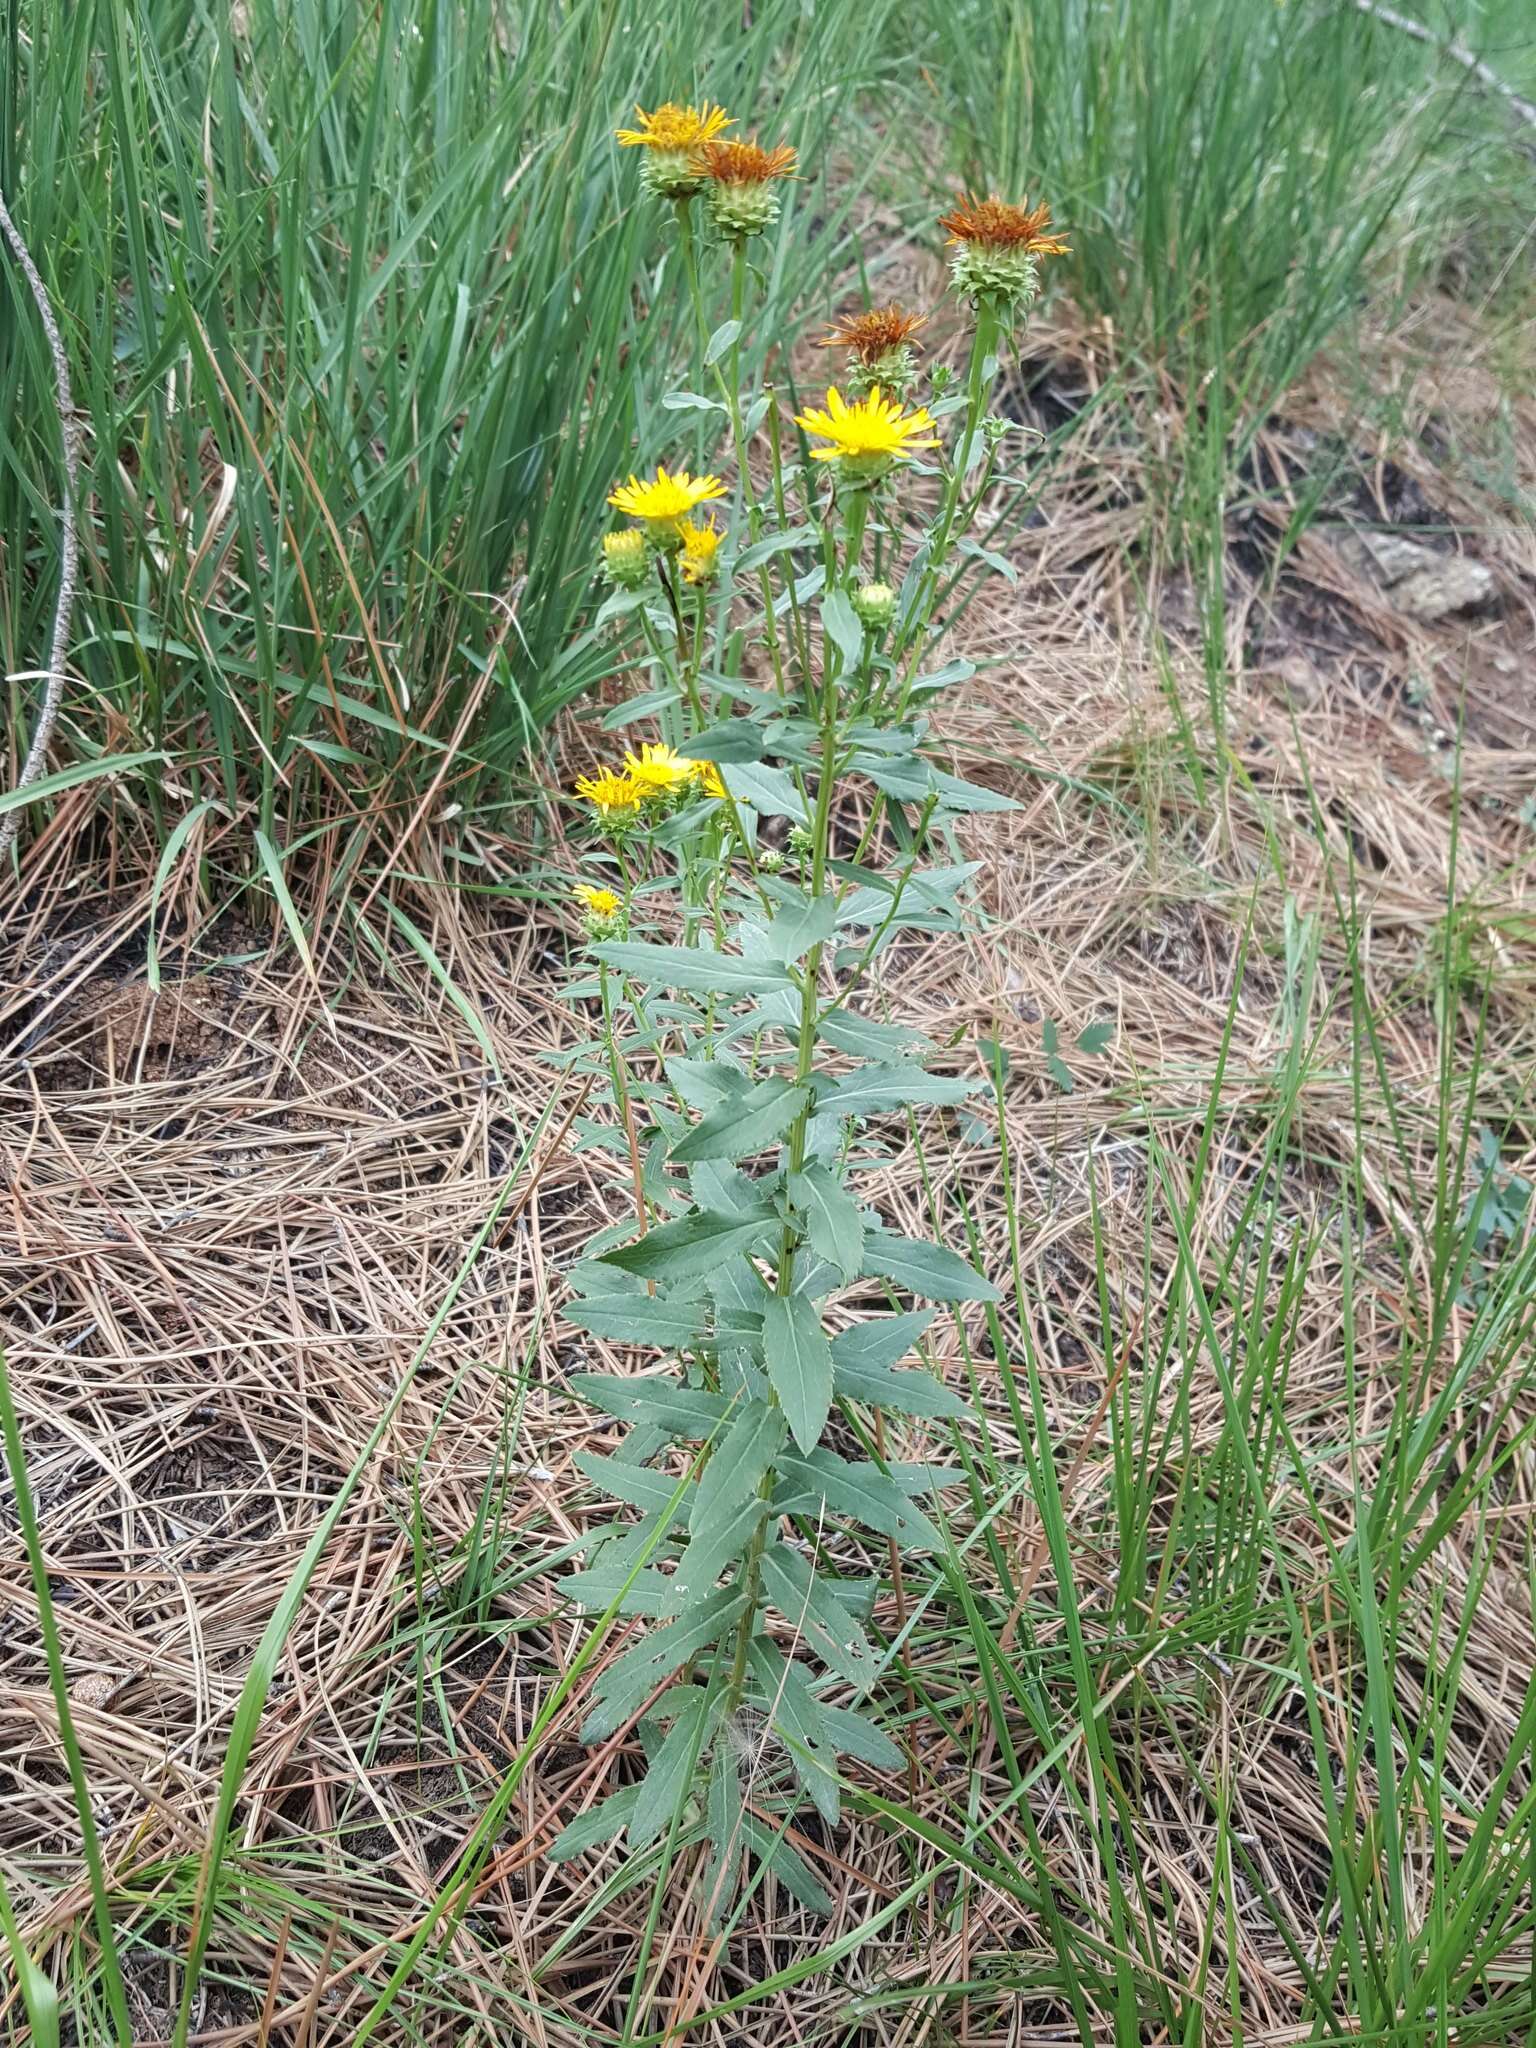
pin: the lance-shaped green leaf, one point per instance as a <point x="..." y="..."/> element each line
<point x="635" y="1485"/>
<point x="816" y="1612"/>
<point x="602" y="1823"/>
<point x="799" y="925"/>
<point x="728" y="1504"/>
<point x="656" y="1319"/>
<point x="915" y="1479"/>
<point x="769" y="790"/>
<point x="691" y="967"/>
<point x="665" y="1402"/>
<point x="842" y="626"/>
<point x="705" y="1084"/>
<point x="863" y="1367"/>
<point x="905" y="777"/>
<point x="779" y="1686"/>
<point x="725" y="1189"/>
<point x="787" y="1865"/>
<point x="737" y="1464"/>
<point x="724" y="1814"/>
<point x="733" y="739"/>
<point x="798" y="1359"/>
<point x="850" y="1734"/>
<point x="866" y="1038"/>
<point x="672" y="1768"/>
<point x="691" y="1247"/>
<point x="870" y="1089"/>
<point x="718" y="1544"/>
<point x="880" y="1340"/>
<point x="832" y="1220"/>
<point x="776" y="544"/>
<point x="860" y="1490"/>
<point x="626" y="1685"/>
<point x="920" y="889"/>
<point x="957" y="795"/>
<point x="745" y="1125"/>
<point x="650" y="1593"/>
<point x="929" y="1269"/>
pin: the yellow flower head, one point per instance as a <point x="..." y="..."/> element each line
<point x="673" y="127"/>
<point x="658" y="771"/>
<point x="670" y="141"/>
<point x="600" y="902"/>
<point x="701" y="544"/>
<point x="869" y="436"/>
<point x="611" y="796"/>
<point x="707" y="775"/>
<point x="664" y="500"/>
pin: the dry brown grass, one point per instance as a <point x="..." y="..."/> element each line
<point x="233" y="1208"/>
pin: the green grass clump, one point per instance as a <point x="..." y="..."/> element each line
<point x="351" y="296"/>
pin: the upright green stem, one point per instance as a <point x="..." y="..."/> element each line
<point x="781" y="510"/>
<point x="686" y="244"/>
<point x="804" y="1063"/>
<point x="620" y="1088"/>
<point x="975" y="396"/>
<point x="982" y="343"/>
<point x="853" y="550"/>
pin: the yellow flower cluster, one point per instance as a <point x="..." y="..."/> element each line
<point x="648" y="781"/>
<point x="997" y="249"/>
<point x="684" y="155"/>
<point x="662" y="503"/>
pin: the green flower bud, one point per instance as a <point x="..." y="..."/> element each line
<point x="626" y="562"/>
<point x="874" y="605"/>
<point x="894" y="370"/>
<point x="671" y="173"/>
<point x="739" y="210"/>
<point x="1007" y="279"/>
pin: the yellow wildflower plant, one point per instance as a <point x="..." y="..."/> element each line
<point x="672" y="138"/>
<point x="869" y="436"/>
<point x="701" y="546"/>
<point x="723" y="975"/>
<point x="615" y="797"/>
<point x="665" y="500"/>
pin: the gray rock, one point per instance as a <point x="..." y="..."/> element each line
<point x="1419" y="582"/>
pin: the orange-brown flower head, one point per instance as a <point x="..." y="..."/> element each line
<point x="671" y="139"/>
<point x="741" y="177"/>
<point x="880" y="349"/>
<point x="997" y="249"/>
